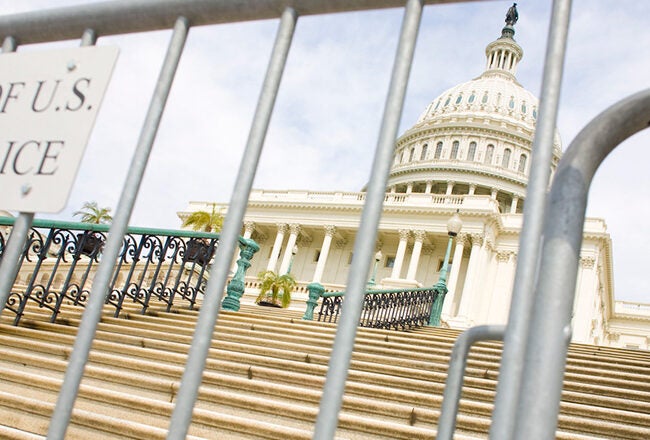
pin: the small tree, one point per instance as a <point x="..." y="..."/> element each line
<point x="90" y="212"/>
<point x="278" y="286"/>
<point x="204" y="221"/>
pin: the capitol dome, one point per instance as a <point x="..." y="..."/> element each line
<point x="476" y="137"/>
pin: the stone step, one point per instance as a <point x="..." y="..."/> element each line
<point x="432" y="387"/>
<point x="17" y="434"/>
<point x="491" y="374"/>
<point x="393" y="389"/>
<point x="137" y="408"/>
<point x="408" y="337"/>
<point x="481" y="370"/>
<point x="485" y="361"/>
<point x="209" y="421"/>
<point x="251" y="313"/>
<point x="32" y="416"/>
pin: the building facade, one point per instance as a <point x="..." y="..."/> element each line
<point x="469" y="152"/>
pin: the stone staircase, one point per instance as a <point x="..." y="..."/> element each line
<point x="265" y="373"/>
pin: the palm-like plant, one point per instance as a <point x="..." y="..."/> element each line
<point x="90" y="212"/>
<point x="204" y="221"/>
<point x="278" y="286"/>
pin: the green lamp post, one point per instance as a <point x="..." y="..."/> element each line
<point x="371" y="282"/>
<point x="294" y="251"/>
<point x="454" y="225"/>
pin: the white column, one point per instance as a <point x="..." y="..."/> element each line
<point x="294" y="230"/>
<point x="249" y="227"/>
<point x="502" y="293"/>
<point x="415" y="256"/>
<point x="401" y="250"/>
<point x="482" y="281"/>
<point x="583" y="307"/>
<point x="493" y="194"/>
<point x="466" y="300"/>
<point x="409" y="188"/>
<point x="324" y="252"/>
<point x="472" y="189"/>
<point x="427" y="190"/>
<point x="450" y="186"/>
<point x="277" y="245"/>
<point x="393" y="189"/>
<point x="457" y="260"/>
<point x="513" y="205"/>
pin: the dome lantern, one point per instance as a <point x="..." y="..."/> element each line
<point x="475" y="138"/>
<point x="504" y="54"/>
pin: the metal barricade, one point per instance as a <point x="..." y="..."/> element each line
<point x="118" y="17"/>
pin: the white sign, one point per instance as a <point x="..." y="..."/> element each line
<point x="48" y="104"/>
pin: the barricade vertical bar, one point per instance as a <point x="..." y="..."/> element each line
<point x="11" y="255"/>
<point x="456" y="371"/>
<point x="334" y="387"/>
<point x="92" y="314"/>
<point x="9" y="44"/>
<point x="547" y="344"/>
<point x="229" y="238"/>
<point x="89" y="37"/>
<point x="511" y="371"/>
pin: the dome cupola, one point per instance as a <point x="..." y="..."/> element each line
<point x="476" y="137"/>
<point x="504" y="54"/>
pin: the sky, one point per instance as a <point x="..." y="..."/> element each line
<point x="326" y="122"/>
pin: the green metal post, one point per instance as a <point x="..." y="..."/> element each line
<point x="441" y="288"/>
<point x="315" y="292"/>
<point x="235" y="288"/>
<point x="290" y="264"/>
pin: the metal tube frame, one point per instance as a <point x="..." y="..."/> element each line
<point x="92" y="314"/>
<point x="521" y="308"/>
<point x="129" y="16"/>
<point x="337" y="372"/>
<point x="191" y="380"/>
<point x="456" y="371"/>
<point x="528" y="335"/>
<point x="11" y="258"/>
<point x="550" y="328"/>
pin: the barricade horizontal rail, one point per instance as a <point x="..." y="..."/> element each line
<point x="129" y="16"/>
<point x="399" y="309"/>
<point x="59" y="261"/>
<point x="390" y="308"/>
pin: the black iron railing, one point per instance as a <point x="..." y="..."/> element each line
<point x="399" y="309"/>
<point x="164" y="267"/>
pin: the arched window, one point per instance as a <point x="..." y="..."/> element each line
<point x="489" y="152"/>
<point x="438" y="152"/>
<point x="471" y="98"/>
<point x="454" y="150"/>
<point x="471" y="152"/>
<point x="505" y="162"/>
<point x="402" y="157"/>
<point x="459" y="99"/>
<point x="485" y="98"/>
<point x="423" y="153"/>
<point x="412" y="155"/>
<point x="447" y="101"/>
<point x="511" y="104"/>
<point x="522" y="163"/>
